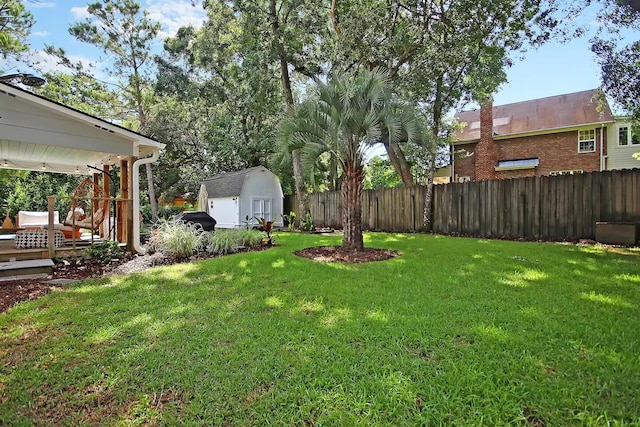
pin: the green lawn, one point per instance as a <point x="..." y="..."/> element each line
<point x="456" y="331"/>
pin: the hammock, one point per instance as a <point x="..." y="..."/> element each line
<point x="82" y="201"/>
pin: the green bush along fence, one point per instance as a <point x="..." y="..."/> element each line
<point x="548" y="207"/>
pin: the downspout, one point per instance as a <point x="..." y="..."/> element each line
<point x="136" y="199"/>
<point x="601" y="147"/>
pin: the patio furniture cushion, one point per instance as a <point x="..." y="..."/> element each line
<point x="35" y="219"/>
<point x="27" y="239"/>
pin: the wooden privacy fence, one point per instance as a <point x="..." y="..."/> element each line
<point x="387" y="209"/>
<point x="548" y="207"/>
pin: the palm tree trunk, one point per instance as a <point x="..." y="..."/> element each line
<point x="352" y="206"/>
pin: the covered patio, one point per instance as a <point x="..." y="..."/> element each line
<point x="38" y="134"/>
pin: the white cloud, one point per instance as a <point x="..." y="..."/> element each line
<point x="49" y="63"/>
<point x="80" y="12"/>
<point x="173" y="14"/>
<point x="42" y="4"/>
<point x="40" y="33"/>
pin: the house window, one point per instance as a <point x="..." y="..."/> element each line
<point x="627" y="136"/>
<point x="507" y="165"/>
<point x="261" y="208"/>
<point x="623" y="136"/>
<point x="586" y="141"/>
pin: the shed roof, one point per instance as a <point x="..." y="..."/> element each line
<point x="539" y="115"/>
<point x="227" y="184"/>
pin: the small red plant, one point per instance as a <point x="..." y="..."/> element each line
<point x="266" y="226"/>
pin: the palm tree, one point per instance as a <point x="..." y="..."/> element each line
<point x="343" y="117"/>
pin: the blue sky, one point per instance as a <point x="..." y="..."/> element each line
<point x="550" y="70"/>
<point x="53" y="19"/>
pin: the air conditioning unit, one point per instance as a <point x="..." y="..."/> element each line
<point x="462" y="179"/>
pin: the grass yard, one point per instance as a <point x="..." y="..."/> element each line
<point x="456" y="331"/>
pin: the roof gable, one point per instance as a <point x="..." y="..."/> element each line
<point x="228" y="184"/>
<point x="539" y="115"/>
<point x="39" y="134"/>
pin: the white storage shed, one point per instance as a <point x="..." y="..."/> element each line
<point x="234" y="196"/>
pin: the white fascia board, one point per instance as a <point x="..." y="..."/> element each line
<point x="81" y="117"/>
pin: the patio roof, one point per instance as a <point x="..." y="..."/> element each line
<point x="42" y="135"/>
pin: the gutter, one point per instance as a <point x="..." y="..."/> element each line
<point x="136" y="199"/>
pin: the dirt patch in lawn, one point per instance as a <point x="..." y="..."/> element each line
<point x="340" y="254"/>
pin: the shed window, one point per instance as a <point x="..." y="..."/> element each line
<point x="515" y="164"/>
<point x="261" y="208"/>
<point x="586" y="141"/>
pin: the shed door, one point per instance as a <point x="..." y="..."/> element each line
<point x="261" y="208"/>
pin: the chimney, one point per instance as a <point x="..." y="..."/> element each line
<point x="486" y="152"/>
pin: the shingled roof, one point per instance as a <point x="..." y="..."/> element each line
<point x="539" y="115"/>
<point x="227" y="184"/>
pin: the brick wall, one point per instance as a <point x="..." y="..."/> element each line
<point x="463" y="164"/>
<point x="556" y="152"/>
<point x="486" y="151"/>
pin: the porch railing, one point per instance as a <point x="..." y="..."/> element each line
<point x="121" y="218"/>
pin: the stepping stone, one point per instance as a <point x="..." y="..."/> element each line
<point x="20" y="269"/>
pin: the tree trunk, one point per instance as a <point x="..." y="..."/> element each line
<point x="142" y="118"/>
<point x="398" y="161"/>
<point x="435" y="133"/>
<point x="428" y="195"/>
<point x="301" y="192"/>
<point x="298" y="177"/>
<point x="152" y="193"/>
<point x="405" y="169"/>
<point x="352" y="207"/>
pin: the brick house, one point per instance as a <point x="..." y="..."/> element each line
<point x="546" y="136"/>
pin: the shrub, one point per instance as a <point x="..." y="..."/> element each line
<point x="104" y="252"/>
<point x="224" y="242"/>
<point x="177" y="239"/>
<point x="307" y="223"/>
<point x="265" y="226"/>
<point x="289" y="220"/>
<point x="248" y="238"/>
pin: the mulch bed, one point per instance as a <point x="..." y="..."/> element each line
<point x="15" y="291"/>
<point x="339" y="254"/>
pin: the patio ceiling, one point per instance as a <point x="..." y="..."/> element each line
<point x="42" y="135"/>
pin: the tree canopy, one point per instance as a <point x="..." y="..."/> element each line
<point x="216" y="95"/>
<point x="15" y="26"/>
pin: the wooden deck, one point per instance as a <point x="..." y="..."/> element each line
<point x="71" y="248"/>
